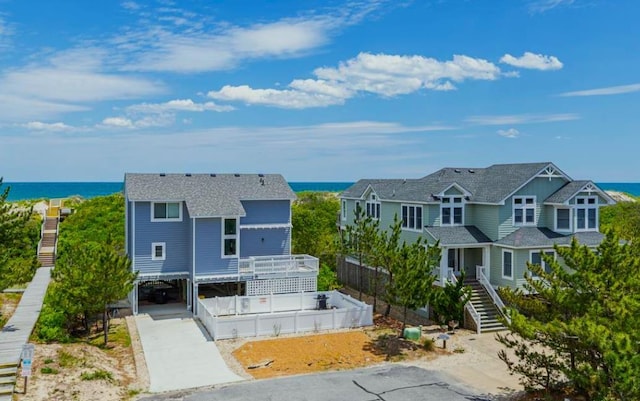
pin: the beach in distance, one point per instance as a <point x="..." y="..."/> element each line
<point x="37" y="190"/>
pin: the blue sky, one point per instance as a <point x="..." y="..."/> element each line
<point x="317" y="90"/>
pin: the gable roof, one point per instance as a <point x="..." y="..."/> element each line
<point x="492" y="184"/>
<point x="208" y="195"/>
<point x="571" y="189"/>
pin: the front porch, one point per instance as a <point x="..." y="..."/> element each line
<point x="455" y="260"/>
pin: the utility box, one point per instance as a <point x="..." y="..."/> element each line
<point x="412" y="333"/>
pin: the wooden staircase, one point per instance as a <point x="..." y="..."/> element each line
<point x="46" y="253"/>
<point x="8" y="377"/>
<point x="483" y="304"/>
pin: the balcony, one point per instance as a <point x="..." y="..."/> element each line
<point x="259" y="267"/>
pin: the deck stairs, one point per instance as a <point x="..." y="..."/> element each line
<point x="483" y="304"/>
<point x="8" y="377"/>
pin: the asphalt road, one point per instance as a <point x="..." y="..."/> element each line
<point x="383" y="383"/>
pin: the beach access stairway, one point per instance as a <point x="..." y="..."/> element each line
<point x="49" y="234"/>
<point x="485" y="307"/>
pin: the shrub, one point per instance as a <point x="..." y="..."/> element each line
<point x="50" y="327"/>
<point x="429" y="344"/>
<point x="48" y="370"/>
<point x="97" y="375"/>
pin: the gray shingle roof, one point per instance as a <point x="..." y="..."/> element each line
<point x="532" y="237"/>
<point x="208" y="195"/>
<point x="566" y="192"/>
<point x="458" y="235"/>
<point x="487" y="185"/>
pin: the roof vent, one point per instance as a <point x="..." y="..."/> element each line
<point x="472" y="170"/>
<point x="456" y="170"/>
<point x="261" y="175"/>
<point x="188" y="175"/>
<point x="236" y="175"/>
<point x="404" y="180"/>
<point x="212" y="175"/>
<point x="261" y="181"/>
<point x="163" y="175"/>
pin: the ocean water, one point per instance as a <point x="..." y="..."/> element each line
<point x="36" y="190"/>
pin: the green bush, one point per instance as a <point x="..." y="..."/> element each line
<point x="51" y="326"/>
<point x="429" y="344"/>
<point x="327" y="278"/>
<point x="97" y="375"/>
<point x="47" y="370"/>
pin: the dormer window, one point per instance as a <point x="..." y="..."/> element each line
<point x="586" y="213"/>
<point x="524" y="210"/>
<point x="373" y="207"/>
<point x="452" y="210"/>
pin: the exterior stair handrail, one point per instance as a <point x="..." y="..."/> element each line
<point x="468" y="306"/>
<point x="497" y="301"/>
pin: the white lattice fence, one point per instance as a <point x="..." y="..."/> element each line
<point x="282" y="286"/>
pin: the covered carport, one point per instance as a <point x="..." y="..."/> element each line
<point x="161" y="289"/>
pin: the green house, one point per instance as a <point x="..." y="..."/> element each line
<point x="489" y="221"/>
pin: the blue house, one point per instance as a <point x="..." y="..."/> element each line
<point x="193" y="234"/>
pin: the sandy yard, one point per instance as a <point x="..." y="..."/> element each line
<point x="8" y="304"/>
<point x="84" y="371"/>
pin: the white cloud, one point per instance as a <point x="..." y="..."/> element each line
<point x="611" y="90"/>
<point x="521" y="119"/>
<point x="155" y="120"/>
<point x="509" y="133"/>
<point x="130" y="5"/>
<point x="533" y="61"/>
<point x="192" y="43"/>
<point x="380" y="74"/>
<point x="541" y="6"/>
<point x="177" y="105"/>
<point x="55" y="127"/>
<point x="15" y="108"/>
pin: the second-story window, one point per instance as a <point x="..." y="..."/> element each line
<point x="166" y="211"/>
<point x="230" y="238"/>
<point x="344" y="209"/>
<point x="524" y="210"/>
<point x="373" y="207"/>
<point x="563" y="219"/>
<point x="586" y="213"/>
<point x="452" y="209"/>
<point x="412" y="217"/>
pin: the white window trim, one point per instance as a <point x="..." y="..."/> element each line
<point x="344" y="209"/>
<point x="153" y="251"/>
<point x="542" y="262"/>
<point x="555" y="220"/>
<point x="586" y="208"/>
<point x="373" y="204"/>
<point x="416" y="206"/>
<point x="166" y="220"/>
<point x="502" y="265"/>
<point x="451" y="205"/>
<point x="524" y="211"/>
<point x="224" y="236"/>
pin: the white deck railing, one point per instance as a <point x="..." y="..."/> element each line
<point x="497" y="301"/>
<point x="468" y="306"/>
<point x="284" y="264"/>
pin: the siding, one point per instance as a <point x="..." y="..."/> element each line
<point x="485" y="217"/>
<point x="266" y="212"/>
<point x="174" y="234"/>
<point x="129" y="221"/>
<point x="549" y="215"/>
<point x="388" y="210"/>
<point x="496" y="267"/>
<point x="264" y="242"/>
<point x="209" y="249"/>
<point x="433" y="214"/>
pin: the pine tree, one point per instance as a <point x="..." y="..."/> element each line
<point x="387" y="253"/>
<point x="582" y="327"/>
<point x="360" y="240"/>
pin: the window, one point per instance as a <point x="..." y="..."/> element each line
<point x="452" y="210"/>
<point x="344" y="209"/>
<point x="412" y="217"/>
<point x="373" y="207"/>
<point x="586" y="213"/>
<point x="536" y="259"/>
<point x="158" y="251"/>
<point x="563" y="219"/>
<point x="507" y="264"/>
<point x="229" y="238"/>
<point x="524" y="210"/>
<point x="166" y="211"/>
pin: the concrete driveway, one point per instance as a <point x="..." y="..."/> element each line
<point x="388" y="383"/>
<point x="179" y="353"/>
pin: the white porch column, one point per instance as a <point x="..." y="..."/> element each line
<point x="134" y="298"/>
<point x="486" y="261"/>
<point x="444" y="266"/>
<point x="189" y="299"/>
<point x="195" y="298"/>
